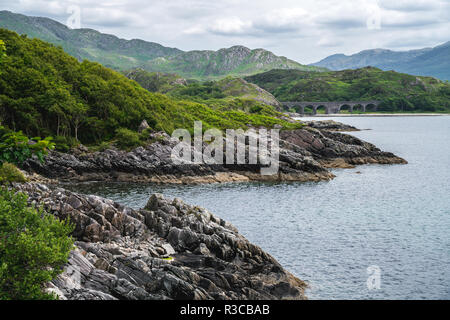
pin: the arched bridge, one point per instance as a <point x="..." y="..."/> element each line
<point x="332" y="106"/>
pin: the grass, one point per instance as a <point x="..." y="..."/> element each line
<point x="10" y="173"/>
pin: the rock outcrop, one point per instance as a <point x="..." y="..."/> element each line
<point x="305" y="155"/>
<point x="330" y="125"/>
<point x="167" y="250"/>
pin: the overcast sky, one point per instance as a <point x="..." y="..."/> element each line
<point x="303" y="30"/>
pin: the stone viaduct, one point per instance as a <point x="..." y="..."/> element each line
<point x="332" y="106"/>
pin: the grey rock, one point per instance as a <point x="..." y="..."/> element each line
<point x="123" y="253"/>
<point x="304" y="154"/>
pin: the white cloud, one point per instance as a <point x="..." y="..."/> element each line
<point x="305" y="31"/>
<point x="283" y="20"/>
<point x="231" y="25"/>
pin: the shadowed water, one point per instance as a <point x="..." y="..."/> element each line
<point x="395" y="217"/>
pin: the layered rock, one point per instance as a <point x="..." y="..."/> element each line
<point x="330" y="125"/>
<point x="167" y="250"/>
<point x="305" y="155"/>
<point x="334" y="149"/>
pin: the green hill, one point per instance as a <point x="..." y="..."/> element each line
<point x="44" y="91"/>
<point x="226" y="91"/>
<point x="156" y="81"/>
<point x="397" y="91"/>
<point x="88" y="44"/>
<point x="120" y="54"/>
<point x="234" y="61"/>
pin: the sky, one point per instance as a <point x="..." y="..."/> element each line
<point x="303" y="30"/>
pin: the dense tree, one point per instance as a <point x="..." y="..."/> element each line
<point x="44" y="91"/>
<point x="2" y="50"/>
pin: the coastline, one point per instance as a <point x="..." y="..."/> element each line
<point x="166" y="250"/>
<point x="338" y="115"/>
<point x="305" y="154"/>
<point x="183" y="251"/>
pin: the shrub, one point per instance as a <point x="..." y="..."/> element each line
<point x="34" y="246"/>
<point x="15" y="147"/>
<point x="64" y="144"/>
<point x="256" y="109"/>
<point x="101" y="147"/>
<point x="10" y="173"/>
<point x="145" y="134"/>
<point x="127" y="139"/>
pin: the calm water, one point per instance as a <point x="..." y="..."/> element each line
<point x="395" y="217"/>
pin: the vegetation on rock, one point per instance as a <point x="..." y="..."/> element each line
<point x="10" y="173"/>
<point x="15" y="147"/>
<point x="34" y="246"/>
<point x="127" y="139"/>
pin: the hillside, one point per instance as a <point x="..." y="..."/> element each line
<point x="88" y="44"/>
<point x="45" y="91"/>
<point x="156" y="81"/>
<point x="235" y="61"/>
<point x="433" y="62"/>
<point x="120" y="54"/>
<point x="228" y="91"/>
<point x="398" y="91"/>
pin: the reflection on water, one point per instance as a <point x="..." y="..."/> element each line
<point x="328" y="233"/>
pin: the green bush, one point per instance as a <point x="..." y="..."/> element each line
<point x="10" y="173"/>
<point x="34" y="246"/>
<point x="127" y="139"/>
<point x="15" y="147"/>
<point x="101" y="147"/>
<point x="145" y="134"/>
<point x="256" y="109"/>
<point x="64" y="144"/>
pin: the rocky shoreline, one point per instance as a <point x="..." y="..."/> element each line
<point x="305" y="155"/>
<point x="167" y="250"/>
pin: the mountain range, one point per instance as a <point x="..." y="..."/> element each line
<point x="433" y="62"/>
<point x="121" y="54"/>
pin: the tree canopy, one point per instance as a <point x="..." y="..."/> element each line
<point x="44" y="91"/>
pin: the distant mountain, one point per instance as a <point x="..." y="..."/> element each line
<point x="88" y="44"/>
<point x="237" y="61"/>
<point x="121" y="54"/>
<point x="433" y="62"/>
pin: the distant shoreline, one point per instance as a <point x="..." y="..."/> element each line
<point x="337" y="115"/>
